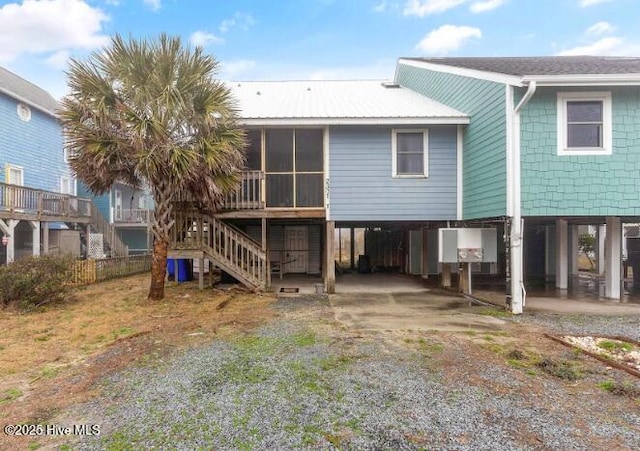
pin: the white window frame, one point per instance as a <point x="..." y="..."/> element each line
<point x="394" y="152"/>
<point x="71" y="183"/>
<point x="11" y="167"/>
<point x="607" y="122"/>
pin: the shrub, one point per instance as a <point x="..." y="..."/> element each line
<point x="35" y="281"/>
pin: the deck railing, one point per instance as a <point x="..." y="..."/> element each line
<point x="40" y="203"/>
<point x="134" y="216"/>
<point x="229" y="248"/>
<point x="250" y="193"/>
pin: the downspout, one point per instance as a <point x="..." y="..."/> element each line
<point x="518" y="223"/>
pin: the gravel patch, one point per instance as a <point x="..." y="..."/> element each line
<point x="582" y="324"/>
<point x="298" y="383"/>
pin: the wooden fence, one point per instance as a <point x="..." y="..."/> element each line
<point x="90" y="271"/>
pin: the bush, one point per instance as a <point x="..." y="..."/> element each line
<point x="35" y="281"/>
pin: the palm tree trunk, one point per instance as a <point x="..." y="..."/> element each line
<point x="161" y="226"/>
<point x="158" y="269"/>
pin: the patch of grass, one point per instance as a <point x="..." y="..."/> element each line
<point x="239" y="370"/>
<point x="563" y="369"/>
<point x="615" y="346"/>
<point x="34" y="445"/>
<point x="620" y="389"/>
<point x="121" y="332"/>
<point x="336" y="362"/>
<point x="430" y="347"/>
<point x="50" y="372"/>
<point x="9" y="395"/>
<point x="305" y="339"/>
<point x="495" y="312"/>
<point x="257" y="346"/>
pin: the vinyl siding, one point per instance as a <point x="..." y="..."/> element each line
<point x="582" y="185"/>
<point x="101" y="202"/>
<point x="362" y="187"/>
<point x="36" y="146"/>
<point x="136" y="239"/>
<point x="484" y="162"/>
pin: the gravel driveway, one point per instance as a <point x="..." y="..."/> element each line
<point x="304" y="380"/>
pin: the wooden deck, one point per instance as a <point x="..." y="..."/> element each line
<point x="29" y="204"/>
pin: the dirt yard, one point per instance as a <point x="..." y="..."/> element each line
<point x="231" y="369"/>
<point x="52" y="359"/>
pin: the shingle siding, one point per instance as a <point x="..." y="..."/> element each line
<point x="36" y="146"/>
<point x="484" y="163"/>
<point x="555" y="185"/>
<point x="362" y="187"/>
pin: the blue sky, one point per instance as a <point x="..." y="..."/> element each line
<point x="314" y="39"/>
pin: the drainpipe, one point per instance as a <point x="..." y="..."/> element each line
<point x="518" y="292"/>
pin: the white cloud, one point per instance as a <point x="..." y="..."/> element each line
<point x="485" y="5"/>
<point x="232" y="70"/>
<point x="585" y="3"/>
<point x="600" y="28"/>
<point x="380" y="7"/>
<point x="202" y="38"/>
<point x="240" y="20"/>
<point x="49" y="26"/>
<point x="423" y="8"/>
<point x="447" y="38"/>
<point x="59" y="59"/>
<point x="605" y="46"/>
<point x="154" y="5"/>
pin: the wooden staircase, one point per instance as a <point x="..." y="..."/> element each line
<point x="198" y="235"/>
<point x="116" y="246"/>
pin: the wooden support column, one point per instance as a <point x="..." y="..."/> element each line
<point x="330" y="274"/>
<point x="600" y="253"/>
<point x="574" y="251"/>
<point x="264" y="242"/>
<point x="8" y="229"/>
<point x="613" y="258"/>
<point x="562" y="254"/>
<point x="446" y="275"/>
<point x="201" y="273"/>
<point x="424" y="264"/>
<point x="353" y="248"/>
<point x="464" y="284"/>
<point x="35" y="237"/>
<point x="45" y="238"/>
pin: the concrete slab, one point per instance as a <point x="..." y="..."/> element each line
<point x="418" y="310"/>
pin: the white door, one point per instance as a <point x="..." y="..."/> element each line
<point x="296" y="254"/>
<point x="118" y="205"/>
<point x="15" y="175"/>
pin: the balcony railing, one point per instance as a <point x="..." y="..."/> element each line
<point x="135" y="216"/>
<point x="42" y="204"/>
<point x="249" y="195"/>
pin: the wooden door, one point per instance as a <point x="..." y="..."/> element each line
<point x="296" y="254"/>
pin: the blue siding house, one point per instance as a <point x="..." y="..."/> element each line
<point x="126" y="212"/>
<point x="327" y="156"/>
<point x="36" y="186"/>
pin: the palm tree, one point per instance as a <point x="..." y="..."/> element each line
<point x="151" y="114"/>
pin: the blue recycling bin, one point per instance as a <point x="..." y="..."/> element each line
<point x="184" y="270"/>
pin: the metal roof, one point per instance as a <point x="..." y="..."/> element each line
<point x="543" y="65"/>
<point x="323" y="102"/>
<point x="24" y="91"/>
